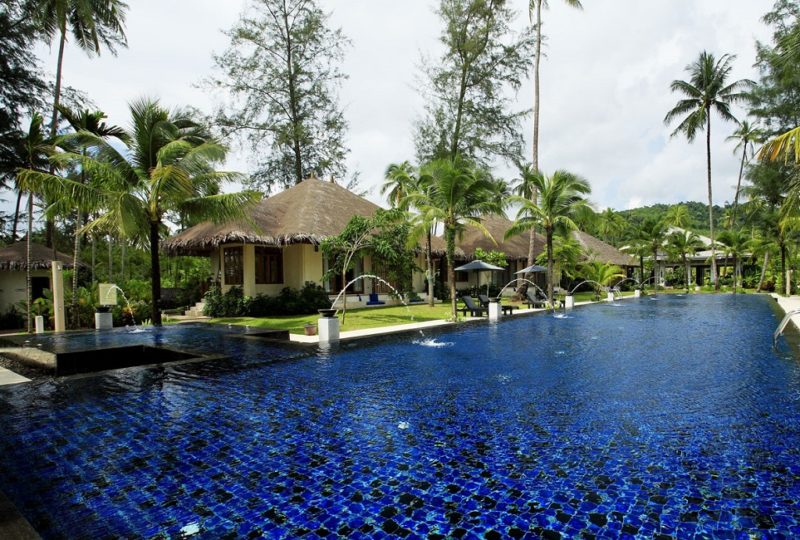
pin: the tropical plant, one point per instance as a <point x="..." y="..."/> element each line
<point x="467" y="112"/>
<point x="736" y="245"/>
<point x="168" y="167"/>
<point x="561" y="196"/>
<point x="524" y="187"/>
<point x="383" y="236"/>
<point x="94" y="24"/>
<point x="458" y="195"/>
<point x="744" y="136"/>
<point x="535" y="13"/>
<point x="706" y="90"/>
<point x="497" y="258"/>
<point x="602" y="274"/>
<point x="654" y="234"/>
<point x="401" y="180"/>
<point x="281" y="75"/>
<point x="682" y="244"/>
<point x="678" y="216"/>
<point x="610" y="225"/>
<point x="82" y="122"/>
<point x="35" y="149"/>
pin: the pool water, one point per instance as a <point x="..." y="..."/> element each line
<point x="668" y="416"/>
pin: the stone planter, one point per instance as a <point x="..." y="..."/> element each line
<point x="310" y="329"/>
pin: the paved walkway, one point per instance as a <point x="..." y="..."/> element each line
<point x="9" y="377"/>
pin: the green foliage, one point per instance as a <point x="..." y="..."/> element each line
<point x="12" y="319"/>
<point x="281" y="73"/>
<point x="497" y="258"/>
<point x="289" y="301"/>
<point x="467" y="111"/>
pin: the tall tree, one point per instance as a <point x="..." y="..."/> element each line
<point x="468" y="112"/>
<point x="744" y="136"/>
<point x="561" y="197"/>
<point x="94" y="24"/>
<point x="36" y="148"/>
<point x="678" y="216"/>
<point x="681" y="244"/>
<point x="168" y="167"/>
<point x="735" y="244"/>
<point x="535" y="11"/>
<point x="706" y="90"/>
<point x="401" y="180"/>
<point x="459" y="195"/>
<point x="282" y="73"/>
<point x="82" y="123"/>
<point x="654" y="234"/>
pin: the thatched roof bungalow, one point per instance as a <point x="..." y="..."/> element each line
<point x="13" y="271"/>
<point x="278" y="245"/>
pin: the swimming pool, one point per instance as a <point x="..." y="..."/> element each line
<point x="661" y="416"/>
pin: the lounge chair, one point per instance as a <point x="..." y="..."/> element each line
<point x="472" y="308"/>
<point x="534" y="300"/>
<point x="507" y="310"/>
<point x="373" y="300"/>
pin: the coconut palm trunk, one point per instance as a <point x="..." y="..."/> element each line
<point x="28" y="280"/>
<point x="429" y="273"/>
<point x="763" y="272"/>
<point x="155" y="264"/>
<point x="450" y="240"/>
<point x="711" y="202"/>
<point x="549" y="238"/>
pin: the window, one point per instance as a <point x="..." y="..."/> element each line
<point x="269" y="265"/>
<point x="232" y="260"/>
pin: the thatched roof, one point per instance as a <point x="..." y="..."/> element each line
<point x="598" y="250"/>
<point x="515" y="248"/>
<point x="15" y="256"/>
<point x="305" y="213"/>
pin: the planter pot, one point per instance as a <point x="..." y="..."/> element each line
<point x="103" y="321"/>
<point x="311" y="329"/>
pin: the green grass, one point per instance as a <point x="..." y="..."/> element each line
<point x="356" y="319"/>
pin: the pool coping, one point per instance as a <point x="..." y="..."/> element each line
<point x="415" y="327"/>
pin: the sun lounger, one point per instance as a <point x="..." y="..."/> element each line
<point x="474" y="311"/>
<point x="507" y="310"/>
<point x="534" y="300"/>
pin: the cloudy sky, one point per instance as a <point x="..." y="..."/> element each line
<point x="605" y="83"/>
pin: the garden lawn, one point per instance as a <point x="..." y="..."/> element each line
<point x="355" y="319"/>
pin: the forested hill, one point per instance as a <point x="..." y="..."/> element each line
<point x="698" y="215"/>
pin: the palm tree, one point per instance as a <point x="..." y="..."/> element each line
<point x="458" y="195"/>
<point x="535" y="13"/>
<point x="83" y="122"/>
<point x="654" y="234"/>
<point x="678" y="216"/>
<point x="736" y="244"/>
<point x="35" y="149"/>
<point x="93" y="24"/>
<point x="745" y="135"/>
<point x="561" y="196"/>
<point x="168" y="167"/>
<point x="610" y="225"/>
<point x="524" y="188"/>
<point x="401" y="180"/>
<point x="706" y="90"/>
<point x="603" y="273"/>
<point x="682" y="244"/>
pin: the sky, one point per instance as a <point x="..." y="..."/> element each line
<point x="604" y="82"/>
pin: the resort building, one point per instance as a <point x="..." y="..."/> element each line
<point x="278" y="246"/>
<point x="699" y="262"/>
<point x="14" y="270"/>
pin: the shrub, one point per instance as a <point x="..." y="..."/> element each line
<point x="288" y="302"/>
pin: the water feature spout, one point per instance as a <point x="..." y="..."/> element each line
<point x="369" y="276"/>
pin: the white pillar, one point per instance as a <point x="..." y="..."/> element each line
<point x="39" y="322"/>
<point x="58" y="295"/>
<point x="249" y="270"/>
<point x="637" y="293"/>
<point x="610" y="296"/>
<point x="494" y="310"/>
<point x="328" y="329"/>
<point x="569" y="301"/>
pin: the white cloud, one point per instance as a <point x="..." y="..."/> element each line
<point x="605" y="83"/>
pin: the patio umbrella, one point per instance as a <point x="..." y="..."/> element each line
<point x="531" y="269"/>
<point x="479" y="266"/>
